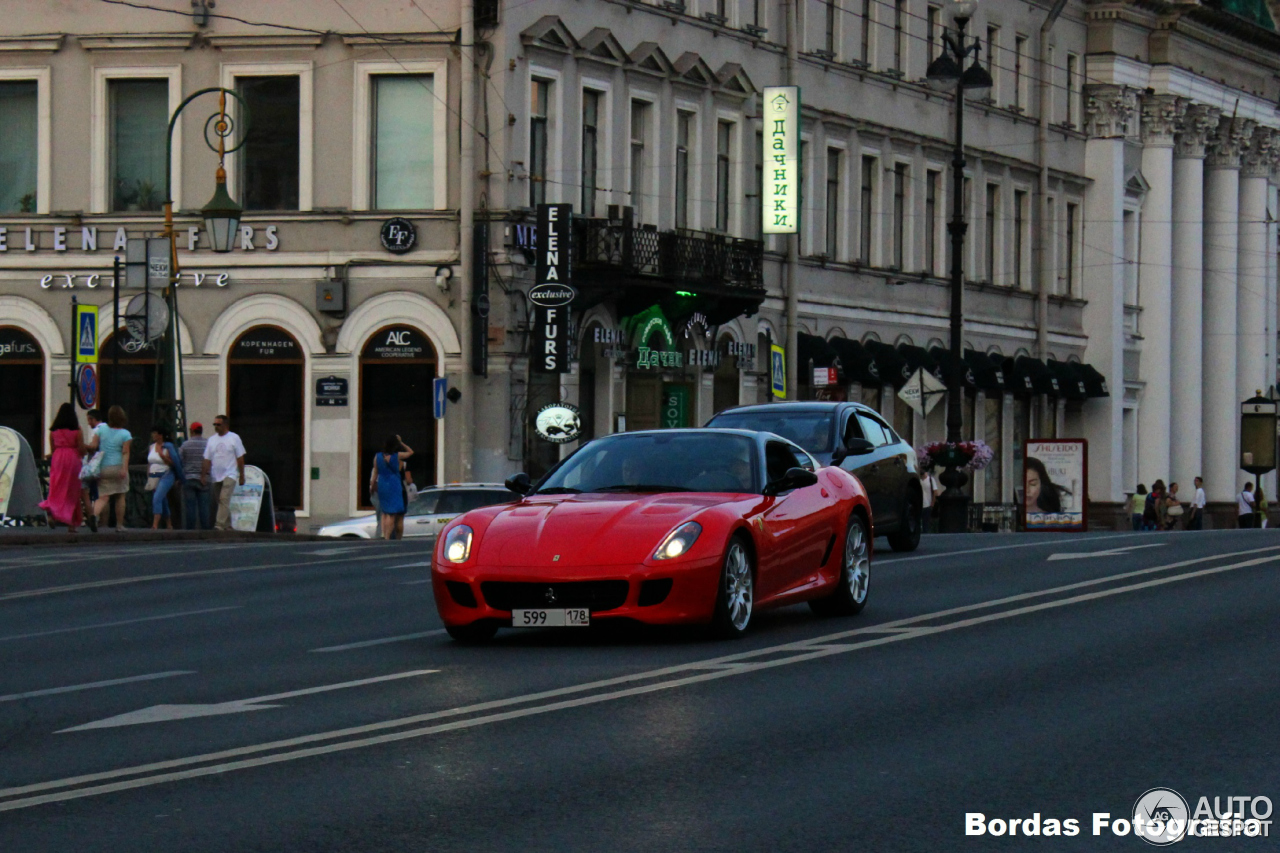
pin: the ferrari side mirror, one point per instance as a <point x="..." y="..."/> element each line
<point x="519" y="483"/>
<point x="795" y="478"/>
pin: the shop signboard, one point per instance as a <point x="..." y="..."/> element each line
<point x="922" y="392"/>
<point x="1055" y="484"/>
<point x="266" y="343"/>
<point x="247" y="499"/>
<point x="675" y="406"/>
<point x="331" y="391"/>
<point x="824" y="376"/>
<point x="398" y="343"/>
<point x="558" y="423"/>
<point x="781" y="158"/>
<point x="552" y="293"/>
<point x="398" y="235"/>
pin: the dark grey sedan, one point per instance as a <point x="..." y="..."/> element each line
<point x="857" y="439"/>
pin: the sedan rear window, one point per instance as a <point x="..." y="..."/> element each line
<point x="811" y="430"/>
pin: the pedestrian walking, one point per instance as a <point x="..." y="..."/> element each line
<point x="930" y="488"/>
<point x="1137" y="506"/>
<point x="163" y="470"/>
<point x="223" y="467"/>
<point x="195" y="492"/>
<point x="387" y="484"/>
<point x="1153" y="510"/>
<point x="1196" y="521"/>
<point x="1172" y="508"/>
<point x="115" y="441"/>
<point x="1245" y="505"/>
<point x="63" y="503"/>
<point x="91" y="469"/>
<point x="1259" y="507"/>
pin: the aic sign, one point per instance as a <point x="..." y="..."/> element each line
<point x="552" y="293"/>
<point x="781" y="178"/>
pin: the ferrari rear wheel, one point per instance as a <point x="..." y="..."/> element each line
<point x="476" y="632"/>
<point x="736" y="599"/>
<point x="850" y="594"/>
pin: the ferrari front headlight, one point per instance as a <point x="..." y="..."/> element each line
<point x="457" y="544"/>
<point x="678" y="541"/>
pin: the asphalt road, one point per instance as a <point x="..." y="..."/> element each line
<point x="302" y="696"/>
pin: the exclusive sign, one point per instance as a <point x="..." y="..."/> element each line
<point x="552" y="293"/>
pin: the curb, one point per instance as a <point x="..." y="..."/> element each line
<point x="112" y="537"/>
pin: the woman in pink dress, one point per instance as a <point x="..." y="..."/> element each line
<point x="63" y="504"/>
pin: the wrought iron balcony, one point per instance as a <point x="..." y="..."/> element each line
<point x="685" y="260"/>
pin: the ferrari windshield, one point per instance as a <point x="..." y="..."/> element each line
<point x="659" y="462"/>
<point x="811" y="430"/>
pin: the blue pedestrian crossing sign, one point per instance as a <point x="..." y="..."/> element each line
<point x="439" y="390"/>
<point x="778" y="371"/>
<point x="86" y="334"/>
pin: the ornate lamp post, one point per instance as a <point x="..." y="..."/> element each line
<point x="945" y="73"/>
<point x="222" y="222"/>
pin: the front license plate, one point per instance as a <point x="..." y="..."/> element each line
<point x="571" y="617"/>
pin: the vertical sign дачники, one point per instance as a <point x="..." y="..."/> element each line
<point x="552" y="293"/>
<point x="780" y="173"/>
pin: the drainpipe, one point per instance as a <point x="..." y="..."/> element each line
<point x="465" y="416"/>
<point x="1039" y="248"/>
<point x="793" y="240"/>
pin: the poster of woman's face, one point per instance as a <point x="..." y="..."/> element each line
<point x="1054" y="487"/>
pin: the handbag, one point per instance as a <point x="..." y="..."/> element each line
<point x="92" y="467"/>
<point x="1174" y="511"/>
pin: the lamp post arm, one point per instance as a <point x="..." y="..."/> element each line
<point x="173" y="122"/>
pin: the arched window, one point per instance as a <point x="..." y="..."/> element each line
<point x="22" y="386"/>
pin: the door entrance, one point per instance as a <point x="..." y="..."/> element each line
<point x="265" y="403"/>
<point x="133" y="389"/>
<point x="397" y="368"/>
<point x="22" y="386"/>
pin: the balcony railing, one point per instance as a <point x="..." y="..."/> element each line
<point x="692" y="258"/>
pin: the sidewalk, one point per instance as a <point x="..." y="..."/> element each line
<point x="60" y="536"/>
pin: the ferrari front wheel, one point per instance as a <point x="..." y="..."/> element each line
<point x="736" y="597"/>
<point x="850" y="593"/>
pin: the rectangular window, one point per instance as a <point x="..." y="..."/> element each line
<point x="1073" y="211"/>
<point x="993" y="202"/>
<point x="1131" y="294"/>
<point x="829" y="40"/>
<point x="19" y="145"/>
<point x="540" y="91"/>
<point x="866" y="32"/>
<point x="833" y="203"/>
<point x="993" y="45"/>
<point x="639" y="159"/>
<point x="932" y="181"/>
<point x="757" y="12"/>
<point x="866" y="212"/>
<point x="1019" y="79"/>
<point x="724" y="138"/>
<point x="403" y="156"/>
<point x="1019" y="223"/>
<point x="899" y="35"/>
<point x="272" y="150"/>
<point x="1073" y="90"/>
<point x="754" y="212"/>
<point x="933" y="32"/>
<point x="590" y="149"/>
<point x="139" y="124"/>
<point x="899" y="215"/>
<point x="684" y="134"/>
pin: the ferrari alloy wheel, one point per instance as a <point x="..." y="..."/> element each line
<point x="850" y="593"/>
<point x="736" y="598"/>
<point x="477" y="632"/>
<point x="907" y="538"/>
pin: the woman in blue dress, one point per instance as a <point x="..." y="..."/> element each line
<point x="388" y="483"/>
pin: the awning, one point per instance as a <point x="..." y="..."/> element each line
<point x="893" y="367"/>
<point x="813" y="352"/>
<point x="918" y="358"/>
<point x="1070" y="383"/>
<point x="857" y="364"/>
<point x="942" y="356"/>
<point x="1095" y="384"/>
<point x="988" y="371"/>
<point x="1035" y="374"/>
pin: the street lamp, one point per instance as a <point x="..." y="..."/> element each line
<point x="947" y="72"/>
<point x="221" y="215"/>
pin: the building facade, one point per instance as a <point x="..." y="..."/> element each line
<point x="1089" y="310"/>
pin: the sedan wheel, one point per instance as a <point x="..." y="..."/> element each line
<point x="736" y="598"/>
<point x="908" y="538"/>
<point x="850" y="593"/>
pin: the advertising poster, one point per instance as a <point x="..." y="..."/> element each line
<point x="9" y="449"/>
<point x="246" y="500"/>
<point x="1055" y="486"/>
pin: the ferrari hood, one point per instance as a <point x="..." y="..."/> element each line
<point x="587" y="530"/>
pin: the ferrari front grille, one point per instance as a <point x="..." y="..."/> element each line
<point x="594" y="595"/>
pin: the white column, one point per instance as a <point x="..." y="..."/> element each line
<point x="1270" y="349"/>
<point x="1187" y="212"/>
<point x="1160" y="115"/>
<point x="1221" y="260"/>
<point x="1111" y="117"/>
<point x="1251" y="305"/>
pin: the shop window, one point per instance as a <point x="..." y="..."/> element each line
<point x="397" y="368"/>
<point x="22" y="386"/>
<point x="128" y="380"/>
<point x="265" y="387"/>
<point x="866" y="212"/>
<point x="139" y="127"/>
<point x="19" y="151"/>
<point x="833" y="203"/>
<point x="724" y="137"/>
<point x="724" y="388"/>
<point x="639" y="156"/>
<point x="993" y="411"/>
<point x="538" y="117"/>
<point x="403" y="145"/>
<point x="590" y="149"/>
<point x="684" y="134"/>
<point x="270" y="158"/>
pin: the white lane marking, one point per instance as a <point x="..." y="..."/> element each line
<point x="420" y="580"/>
<point x="410" y="565"/>
<point x="363" y="644"/>
<point x="328" y="552"/>
<point x="77" y="587"/>
<point x="162" y="713"/>
<point x="1110" y="552"/>
<point x="727" y="665"/>
<point x="93" y="685"/>
<point x="1043" y="543"/>
<point x="121" y="622"/>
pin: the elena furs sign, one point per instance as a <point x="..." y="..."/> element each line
<point x="781" y="159"/>
<point x="552" y="293"/>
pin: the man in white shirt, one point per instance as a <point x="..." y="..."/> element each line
<point x="930" y="489"/>
<point x="1244" y="505"/>
<point x="1196" y="522"/>
<point x="224" y="465"/>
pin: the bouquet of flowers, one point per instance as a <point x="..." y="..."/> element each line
<point x="968" y="455"/>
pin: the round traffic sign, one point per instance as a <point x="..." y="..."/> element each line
<point x="87" y="385"/>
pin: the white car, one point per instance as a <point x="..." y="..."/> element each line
<point x="429" y="512"/>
